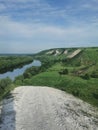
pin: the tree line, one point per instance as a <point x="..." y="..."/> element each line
<point x="8" y="63"/>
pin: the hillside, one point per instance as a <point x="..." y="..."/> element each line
<point x="85" y="60"/>
<point x="74" y="70"/>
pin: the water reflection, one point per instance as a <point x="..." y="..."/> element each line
<point x="19" y="71"/>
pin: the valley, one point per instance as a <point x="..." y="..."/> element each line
<point x="74" y="70"/>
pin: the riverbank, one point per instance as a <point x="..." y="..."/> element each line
<point x="19" y="71"/>
<point x="7" y="79"/>
<point x="9" y="63"/>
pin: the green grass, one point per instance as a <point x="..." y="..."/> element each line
<point x="44" y="79"/>
<point x="76" y="84"/>
<point x="85" y="89"/>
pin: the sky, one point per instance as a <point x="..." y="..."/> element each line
<point x="29" y="26"/>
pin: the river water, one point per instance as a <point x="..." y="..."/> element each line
<point x="19" y="71"/>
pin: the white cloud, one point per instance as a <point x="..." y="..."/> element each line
<point x="36" y="24"/>
<point x="41" y="36"/>
<point x="13" y="29"/>
<point x="41" y="10"/>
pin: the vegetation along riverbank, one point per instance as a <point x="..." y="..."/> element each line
<point x="74" y="70"/>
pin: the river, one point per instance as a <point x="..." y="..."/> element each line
<point x="19" y="71"/>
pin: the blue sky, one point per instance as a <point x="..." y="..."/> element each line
<point x="28" y="26"/>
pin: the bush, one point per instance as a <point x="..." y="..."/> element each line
<point x="94" y="74"/>
<point x="20" y="77"/>
<point x="63" y="72"/>
<point x="5" y="83"/>
<point x="18" y="82"/>
<point x="95" y="95"/>
<point x="75" y="93"/>
<point x="31" y="72"/>
<point x="86" y="76"/>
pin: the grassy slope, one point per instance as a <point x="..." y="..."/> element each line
<point x="79" y="87"/>
<point x="82" y="88"/>
<point x="86" y="62"/>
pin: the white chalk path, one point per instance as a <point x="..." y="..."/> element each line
<point x="44" y="108"/>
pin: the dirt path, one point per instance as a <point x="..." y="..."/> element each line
<point x="44" y="108"/>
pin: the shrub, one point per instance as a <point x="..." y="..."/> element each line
<point x="63" y="72"/>
<point x="86" y="76"/>
<point x="95" y="95"/>
<point x="75" y="93"/>
<point x="94" y="74"/>
<point x="5" y="83"/>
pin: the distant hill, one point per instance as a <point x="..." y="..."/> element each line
<point x="85" y="59"/>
